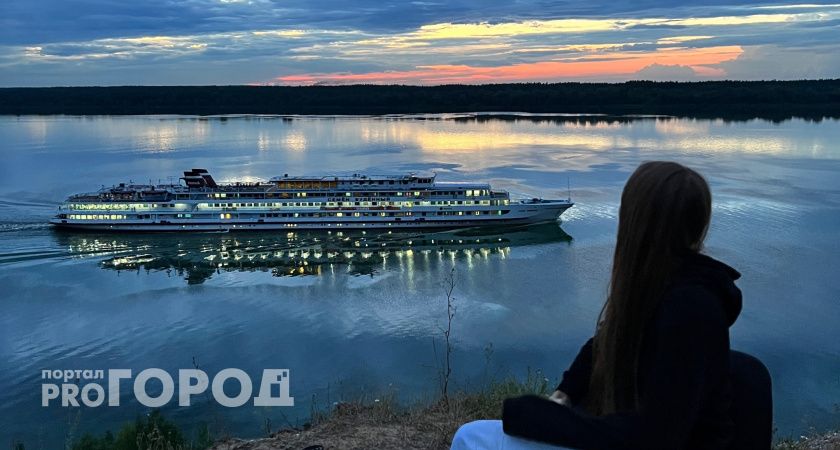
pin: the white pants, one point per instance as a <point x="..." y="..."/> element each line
<point x="488" y="435"/>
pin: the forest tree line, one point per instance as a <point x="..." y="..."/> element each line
<point x="811" y="99"/>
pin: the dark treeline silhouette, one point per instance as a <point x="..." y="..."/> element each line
<point x="775" y="100"/>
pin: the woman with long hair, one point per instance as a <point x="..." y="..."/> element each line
<point x="659" y="372"/>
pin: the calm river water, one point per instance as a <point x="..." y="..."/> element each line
<point x="356" y="315"/>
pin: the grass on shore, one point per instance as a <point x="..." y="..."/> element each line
<point x="826" y="441"/>
<point x="384" y="424"/>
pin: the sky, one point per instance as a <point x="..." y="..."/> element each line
<point x="423" y="42"/>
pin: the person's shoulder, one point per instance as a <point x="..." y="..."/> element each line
<point x="690" y="301"/>
<point x="705" y="287"/>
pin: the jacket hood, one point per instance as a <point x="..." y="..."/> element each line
<point x="716" y="276"/>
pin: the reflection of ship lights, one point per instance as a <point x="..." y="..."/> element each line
<point x="200" y="257"/>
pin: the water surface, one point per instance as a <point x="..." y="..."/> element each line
<point x="356" y="314"/>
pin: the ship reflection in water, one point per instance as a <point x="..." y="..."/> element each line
<point x="198" y="257"/>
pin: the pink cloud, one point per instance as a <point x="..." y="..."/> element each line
<point x="701" y="60"/>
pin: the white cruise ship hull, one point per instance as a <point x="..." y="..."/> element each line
<point x="524" y="213"/>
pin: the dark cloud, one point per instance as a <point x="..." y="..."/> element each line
<point x="26" y="22"/>
<point x="46" y="42"/>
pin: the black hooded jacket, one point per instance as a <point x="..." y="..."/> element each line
<point x="683" y="377"/>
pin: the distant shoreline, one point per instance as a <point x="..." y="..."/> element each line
<point x="735" y="100"/>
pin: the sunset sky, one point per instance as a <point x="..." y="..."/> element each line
<point x="299" y="42"/>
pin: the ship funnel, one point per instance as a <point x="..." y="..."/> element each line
<point x="199" y="178"/>
<point x="208" y="180"/>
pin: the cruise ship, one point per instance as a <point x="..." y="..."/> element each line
<point x="199" y="203"/>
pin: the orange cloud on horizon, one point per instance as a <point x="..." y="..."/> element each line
<point x="700" y="60"/>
